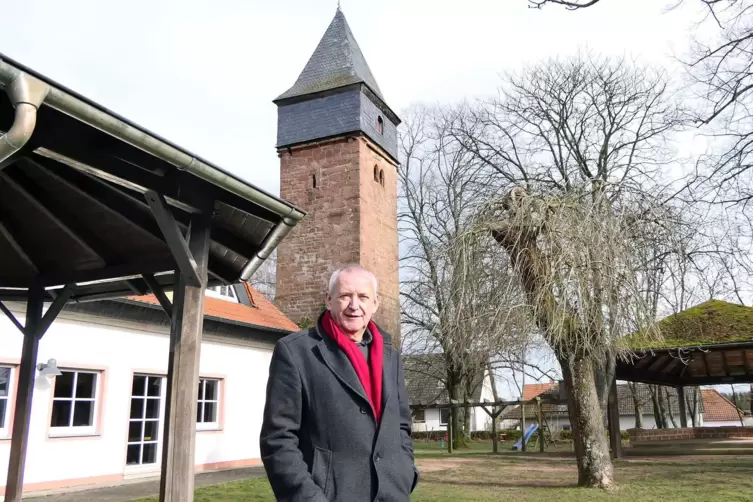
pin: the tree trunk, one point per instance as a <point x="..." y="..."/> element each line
<point x="455" y="392"/>
<point x="636" y="406"/>
<point x="589" y="435"/>
<point x="692" y="405"/>
<point x="467" y="422"/>
<point x="662" y="406"/>
<point x="668" y="407"/>
<point x="659" y="416"/>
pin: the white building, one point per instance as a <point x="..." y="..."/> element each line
<point x="713" y="409"/>
<point x="424" y="381"/>
<point x="101" y="420"/>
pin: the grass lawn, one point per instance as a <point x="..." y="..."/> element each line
<point x="477" y="475"/>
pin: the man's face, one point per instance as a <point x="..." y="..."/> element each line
<point x="353" y="301"/>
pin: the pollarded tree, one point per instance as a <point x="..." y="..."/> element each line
<point x="579" y="145"/>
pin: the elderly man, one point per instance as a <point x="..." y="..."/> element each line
<point x="336" y="422"/>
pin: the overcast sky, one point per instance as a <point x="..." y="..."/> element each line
<point x="204" y="74"/>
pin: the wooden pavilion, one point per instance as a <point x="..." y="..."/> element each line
<point x="709" y="344"/>
<point x="93" y="206"/>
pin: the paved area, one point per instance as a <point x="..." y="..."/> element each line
<point x="131" y="490"/>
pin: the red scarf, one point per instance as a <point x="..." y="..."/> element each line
<point x="370" y="374"/>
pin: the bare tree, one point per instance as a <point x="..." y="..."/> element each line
<point x="578" y="145"/>
<point x="449" y="294"/>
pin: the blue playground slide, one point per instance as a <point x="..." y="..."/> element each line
<point x="531" y="429"/>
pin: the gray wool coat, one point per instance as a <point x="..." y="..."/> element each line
<point x="319" y="438"/>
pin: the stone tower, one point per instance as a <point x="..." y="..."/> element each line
<point x="337" y="143"/>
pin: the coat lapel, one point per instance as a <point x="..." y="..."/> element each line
<point x="339" y="364"/>
<point x="388" y="374"/>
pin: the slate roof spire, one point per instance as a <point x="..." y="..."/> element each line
<point x="336" y="62"/>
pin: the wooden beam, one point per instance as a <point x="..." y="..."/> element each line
<point x="18" y="248"/>
<point x="658" y="363"/>
<point x="725" y="364"/>
<point x="54" y="310"/>
<point x="159" y="292"/>
<point x="12" y="318"/>
<point x="747" y="365"/>
<point x="53" y="216"/>
<point x="683" y="409"/>
<point x="178" y="247"/>
<point x="613" y="416"/>
<point x="706" y="364"/>
<point x="179" y="439"/>
<point x="123" y="205"/>
<point x="127" y="270"/>
<point x="24" y="393"/>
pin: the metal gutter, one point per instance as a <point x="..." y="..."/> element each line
<point x="96" y="116"/>
<point x="26" y="94"/>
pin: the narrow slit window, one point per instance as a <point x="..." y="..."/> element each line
<point x="313" y="180"/>
<point x="376" y="174"/>
<point x="380" y="125"/>
<point x="381" y="177"/>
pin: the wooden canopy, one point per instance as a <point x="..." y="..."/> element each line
<point x="73" y="207"/>
<point x="93" y="206"/>
<point x="711" y="343"/>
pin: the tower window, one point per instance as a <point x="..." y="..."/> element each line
<point x="376" y="174"/>
<point x="313" y="180"/>
<point x="380" y="125"/>
<point x="381" y="177"/>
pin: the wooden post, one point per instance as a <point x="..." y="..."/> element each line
<point x="613" y="415"/>
<point x="33" y="331"/>
<point x="683" y="408"/>
<point x="24" y="393"/>
<point x="495" y="439"/>
<point x="449" y="432"/>
<point x="179" y="440"/>
<point x="541" y="424"/>
<point x="522" y="426"/>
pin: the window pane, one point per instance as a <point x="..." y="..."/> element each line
<point x="134" y="431"/>
<point x="3" y="406"/>
<point x="83" y="413"/>
<point x="138" y="385"/>
<point x="444" y="415"/>
<point x="137" y="408"/>
<point x="64" y="384"/>
<point x="134" y="452"/>
<point x="210" y="392"/>
<point x="150" y="453"/>
<point x="155" y="386"/>
<point x="85" y="385"/>
<point x="152" y="408"/>
<point x="201" y="389"/>
<point x="4" y="381"/>
<point x="151" y="429"/>
<point x="61" y="414"/>
<point x="199" y="412"/>
<point x="210" y="412"/>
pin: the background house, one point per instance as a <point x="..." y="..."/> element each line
<point x="101" y="420"/>
<point x="424" y="381"/>
<point x="712" y="410"/>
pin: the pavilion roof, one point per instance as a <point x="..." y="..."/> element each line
<point x="77" y="203"/>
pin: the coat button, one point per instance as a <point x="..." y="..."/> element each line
<point x="376" y="457"/>
<point x="362" y="411"/>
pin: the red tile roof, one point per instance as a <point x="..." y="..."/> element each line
<point x="717" y="408"/>
<point x="263" y="313"/>
<point x="531" y="390"/>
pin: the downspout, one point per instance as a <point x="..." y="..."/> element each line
<point x="26" y="94"/>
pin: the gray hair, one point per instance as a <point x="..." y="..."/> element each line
<point x="354" y="267"/>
